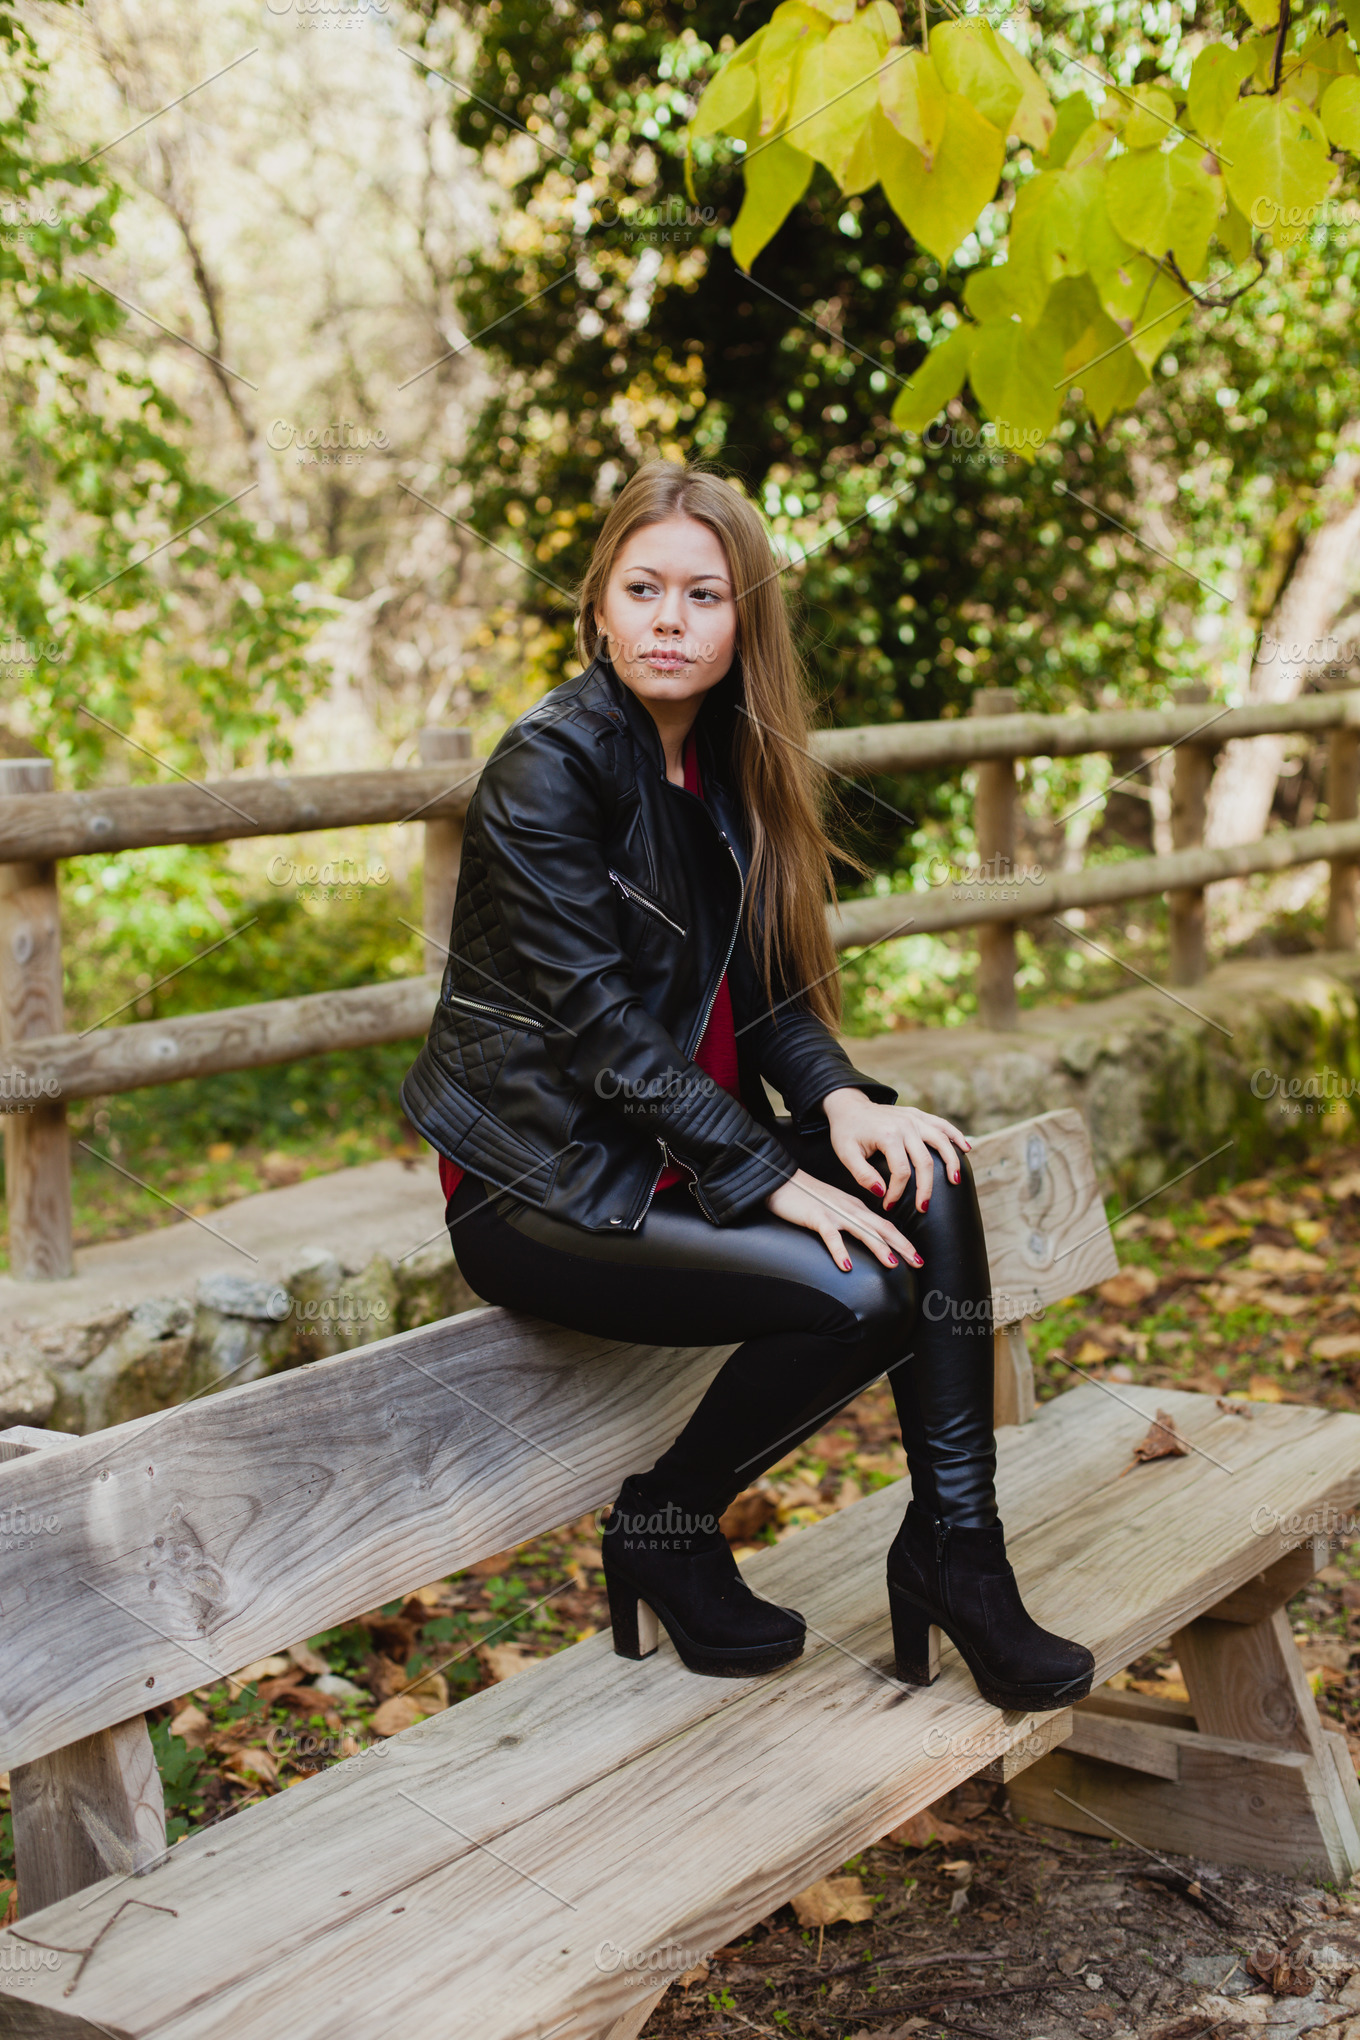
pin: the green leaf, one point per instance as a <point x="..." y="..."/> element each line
<point x="1351" y="10"/>
<point x="939" y="379"/>
<point x="912" y="96"/>
<point x="1340" y="113"/>
<point x="939" y="202"/>
<point x="789" y="32"/>
<point x="727" y="103"/>
<point x="776" y="178"/>
<point x="1276" y="164"/>
<point x="836" y="92"/>
<point x="1092" y="144"/>
<point x="1050" y="222"/>
<point x="1165" y="202"/>
<point x="969" y="60"/>
<point x="837" y="10"/>
<point x="1002" y="290"/>
<point x="882" y="17"/>
<point x="1035" y="117"/>
<point x="1097" y="358"/>
<point x="1330" y="54"/>
<point x="1015" y="371"/>
<point x="1262" y="13"/>
<point x="1074" y="115"/>
<point x="1235" y="233"/>
<point x="1151" y="112"/>
<point x="1216" y="77"/>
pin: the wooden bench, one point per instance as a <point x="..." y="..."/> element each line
<point x="542" y="1858"/>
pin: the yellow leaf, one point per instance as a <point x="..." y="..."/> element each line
<point x="1340" y="112"/>
<point x="1276" y="164"/>
<point x="969" y="58"/>
<point x="913" y="98"/>
<point x="1216" y="78"/>
<point x="776" y="178"/>
<point x="882" y="17"/>
<point x="1263" y="1389"/>
<point x="728" y="103"/>
<point x="940" y="377"/>
<point x="836" y="91"/>
<point x="830" y="1899"/>
<point x="790" y="31"/>
<point x="940" y="202"/>
<point x="1262" y="13"/>
<point x="1130" y="1286"/>
<point x="1151" y="113"/>
<point x="1016" y="372"/>
<point x="1035" y="117"/>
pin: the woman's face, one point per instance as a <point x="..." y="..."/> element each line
<point x="670" y="611"/>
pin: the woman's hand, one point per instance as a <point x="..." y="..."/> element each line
<point x="829" y="1212"/>
<point x="901" y="1135"/>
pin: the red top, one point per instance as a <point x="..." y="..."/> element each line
<point x="716" y="1054"/>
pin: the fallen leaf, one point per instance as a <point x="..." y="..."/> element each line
<point x="263" y="1668"/>
<point x="1342" y="1187"/>
<point x="831" y="1899"/>
<point x="403" y="1710"/>
<point x="1262" y="1389"/>
<point x="1128" y="1287"/>
<point x="1233" y="1405"/>
<point x="747" y="1516"/>
<point x="309" y="1660"/>
<point x="485" y="1568"/>
<point x="503" y="1660"/>
<point x="279" y="1170"/>
<point x="1308" y="1231"/>
<point x="695" y="1975"/>
<point x="921" y="1829"/>
<point x="430" y="1690"/>
<point x="1091" y="1353"/>
<point x="1282" y="1304"/>
<point x="1336" y="1346"/>
<point x="192" y="1726"/>
<point x="1331" y="1652"/>
<point x="1163" y="1688"/>
<point x="1219" y="1235"/>
<point x="1285" y="1261"/>
<point x="1163" y="1440"/>
<point x="253" y="1763"/>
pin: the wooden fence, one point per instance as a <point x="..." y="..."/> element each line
<point x="46" y="1066"/>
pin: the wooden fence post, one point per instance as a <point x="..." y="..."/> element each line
<point x="1189" y="798"/>
<point x="443" y="848"/>
<point x="37" y="1144"/>
<point x="1343" y="783"/>
<point x="994" y="828"/>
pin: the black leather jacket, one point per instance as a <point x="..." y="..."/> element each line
<point x="597" y="909"/>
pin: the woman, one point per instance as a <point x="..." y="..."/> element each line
<point x="639" y="940"/>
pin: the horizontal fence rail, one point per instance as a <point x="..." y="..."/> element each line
<point x="48" y="1067"/>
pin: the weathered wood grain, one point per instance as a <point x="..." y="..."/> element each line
<point x="90" y="1810"/>
<point x="1279" y="1583"/>
<point x="128" y="1058"/>
<point x="37" y="1143"/>
<point x="195" y="1540"/>
<point x="1047" y="1235"/>
<point x="425" y="1837"/>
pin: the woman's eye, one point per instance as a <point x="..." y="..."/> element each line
<point x="639" y="588"/>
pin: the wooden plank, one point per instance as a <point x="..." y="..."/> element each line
<point x="914" y="747"/>
<point x="1045" y="1732"/>
<point x="1279" y="1583"/>
<point x="628" y="1854"/>
<point x="1343" y="786"/>
<point x="37" y="1142"/>
<point x="36" y="826"/>
<point x="90" y="1810"/>
<point x="1192" y="770"/>
<point x="994" y="822"/>
<point x="128" y="1058"/>
<point x="1012" y="1377"/>
<point x="21" y="1439"/>
<point x="420" y="1459"/>
<point x="1137" y="1745"/>
<point x="195" y="1540"/>
<point x="966" y="906"/>
<point x="1233" y="1803"/>
<point x="632" y="2022"/>
<point x="1044" y="1217"/>
<point x="1246" y="1681"/>
<point x="1130" y="1706"/>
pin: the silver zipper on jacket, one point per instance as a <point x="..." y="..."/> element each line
<point x="640" y="899"/>
<point x="496" y="1012"/>
<point x="698" y="1036"/>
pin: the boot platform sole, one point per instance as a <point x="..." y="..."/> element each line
<point x="637" y="1635"/>
<point x="916" y="1645"/>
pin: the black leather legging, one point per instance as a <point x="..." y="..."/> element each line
<point x="812" y="1335"/>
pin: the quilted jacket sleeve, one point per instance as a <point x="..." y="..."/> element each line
<point x="540" y="814"/>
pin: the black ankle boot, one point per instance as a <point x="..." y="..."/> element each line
<point x="961" y="1580"/>
<point x="662" y="1562"/>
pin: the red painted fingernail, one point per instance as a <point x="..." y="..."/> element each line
<point x="846" y="1266"/>
<point x="878" y="1190"/>
<point x="955" y="1177"/>
<point x="892" y="1259"/>
<point x="918" y="1262"/>
<point x="925" y="1207"/>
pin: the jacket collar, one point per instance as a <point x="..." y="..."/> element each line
<point x="711" y="728"/>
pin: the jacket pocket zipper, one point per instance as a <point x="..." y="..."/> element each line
<point x="494" y="1012"/>
<point x="640" y="899"/>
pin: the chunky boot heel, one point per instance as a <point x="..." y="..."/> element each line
<point x="962" y="1579"/>
<point x="916" y="1640"/>
<point x="636" y="1632"/>
<point x="662" y="1566"/>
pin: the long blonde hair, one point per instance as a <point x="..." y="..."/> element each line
<point x="782" y="791"/>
